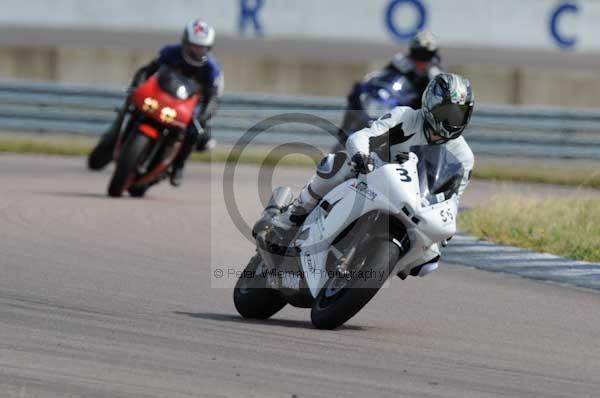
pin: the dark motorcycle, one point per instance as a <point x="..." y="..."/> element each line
<point x="373" y="98"/>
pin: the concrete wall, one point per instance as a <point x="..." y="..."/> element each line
<point x="289" y="75"/>
<point x="28" y="63"/>
<point x="557" y="87"/>
<point x="494" y="84"/>
<point x="98" y="66"/>
<point x="242" y="73"/>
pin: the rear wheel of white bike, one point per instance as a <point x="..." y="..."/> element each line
<point x="251" y="296"/>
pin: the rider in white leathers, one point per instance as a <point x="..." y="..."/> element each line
<point x="447" y="106"/>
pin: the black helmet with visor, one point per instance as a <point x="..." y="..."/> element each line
<point x="447" y="106"/>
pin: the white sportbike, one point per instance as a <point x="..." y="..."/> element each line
<point x="362" y="232"/>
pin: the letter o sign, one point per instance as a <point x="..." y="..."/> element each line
<point x="401" y="33"/>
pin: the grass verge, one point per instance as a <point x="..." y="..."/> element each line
<point x="62" y="146"/>
<point x="81" y="146"/>
<point x="565" y="175"/>
<point x="565" y="227"/>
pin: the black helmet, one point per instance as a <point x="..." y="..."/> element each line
<point x="447" y="107"/>
<point x="423" y="47"/>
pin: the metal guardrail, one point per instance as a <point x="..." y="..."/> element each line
<point x="496" y="130"/>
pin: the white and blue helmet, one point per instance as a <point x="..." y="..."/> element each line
<point x="198" y="39"/>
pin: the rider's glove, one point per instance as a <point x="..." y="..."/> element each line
<point x="362" y="163"/>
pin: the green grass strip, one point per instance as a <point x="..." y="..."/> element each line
<point x="65" y="146"/>
<point x="61" y="147"/>
<point x="565" y="227"/>
<point x="569" y="175"/>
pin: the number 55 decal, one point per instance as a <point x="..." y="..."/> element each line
<point x="447" y="215"/>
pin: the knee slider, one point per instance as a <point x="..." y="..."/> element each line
<point x="427" y="268"/>
<point x="331" y="164"/>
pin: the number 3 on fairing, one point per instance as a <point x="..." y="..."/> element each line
<point x="404" y="175"/>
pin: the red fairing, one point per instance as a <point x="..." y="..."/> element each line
<point x="151" y="91"/>
<point x="148" y="130"/>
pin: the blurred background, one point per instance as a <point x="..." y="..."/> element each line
<point x="535" y="52"/>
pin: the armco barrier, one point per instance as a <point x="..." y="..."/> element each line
<point x="496" y="130"/>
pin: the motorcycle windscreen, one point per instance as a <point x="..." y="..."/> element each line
<point x="176" y="84"/>
<point x="440" y="172"/>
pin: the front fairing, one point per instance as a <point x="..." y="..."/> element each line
<point x="391" y="189"/>
<point x="176" y="84"/>
<point x="164" y="107"/>
<point x="400" y="185"/>
<point x="378" y="191"/>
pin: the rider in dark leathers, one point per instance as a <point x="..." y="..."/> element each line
<point x="420" y="65"/>
<point x="192" y="58"/>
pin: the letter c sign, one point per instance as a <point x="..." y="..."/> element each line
<point x="561" y="39"/>
<point x="404" y="34"/>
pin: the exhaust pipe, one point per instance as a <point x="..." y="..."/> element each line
<point x="281" y="199"/>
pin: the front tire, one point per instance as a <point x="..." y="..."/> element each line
<point x="128" y="161"/>
<point x="340" y="298"/>
<point x="251" y="296"/>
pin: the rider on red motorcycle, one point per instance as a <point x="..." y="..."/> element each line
<point x="192" y="58"/>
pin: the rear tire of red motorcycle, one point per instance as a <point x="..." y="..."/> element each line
<point x="138" y="192"/>
<point x="102" y="154"/>
<point x="128" y="160"/>
<point x="251" y="296"/>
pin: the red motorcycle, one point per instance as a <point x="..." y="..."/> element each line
<point x="160" y="110"/>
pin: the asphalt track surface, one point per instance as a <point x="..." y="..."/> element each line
<point x="115" y="298"/>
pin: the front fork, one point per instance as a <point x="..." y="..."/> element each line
<point x="363" y="230"/>
<point x="168" y="140"/>
<point x="156" y="145"/>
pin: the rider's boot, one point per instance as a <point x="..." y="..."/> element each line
<point x="205" y="141"/>
<point x="331" y="171"/>
<point x="206" y="145"/>
<point x="176" y="176"/>
<point x="286" y="224"/>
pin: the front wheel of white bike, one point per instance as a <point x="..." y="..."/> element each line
<point x="341" y="297"/>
